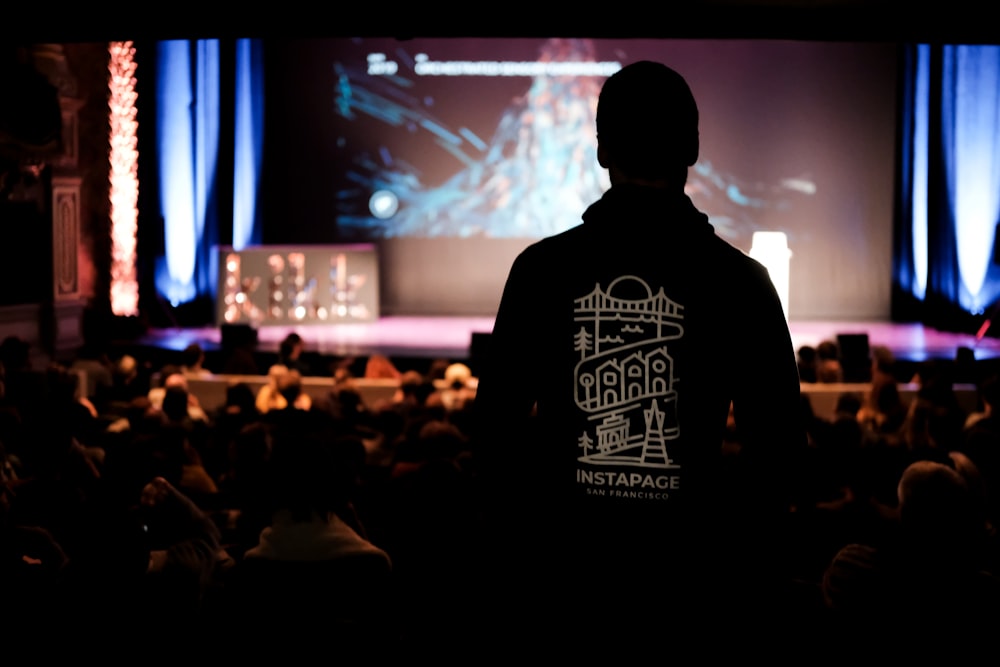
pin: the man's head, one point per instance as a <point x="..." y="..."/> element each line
<point x="647" y="122"/>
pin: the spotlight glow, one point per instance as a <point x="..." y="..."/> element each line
<point x="771" y="250"/>
<point x="383" y="204"/>
<point x="124" y="191"/>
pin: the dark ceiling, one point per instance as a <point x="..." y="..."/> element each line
<point x="835" y="20"/>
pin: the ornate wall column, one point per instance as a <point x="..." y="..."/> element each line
<point x="62" y="330"/>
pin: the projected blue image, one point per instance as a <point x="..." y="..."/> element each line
<point x="495" y="148"/>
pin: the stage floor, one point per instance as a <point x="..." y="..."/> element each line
<point x="451" y="337"/>
<point x="393" y="336"/>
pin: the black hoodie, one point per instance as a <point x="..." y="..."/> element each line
<point x="618" y="348"/>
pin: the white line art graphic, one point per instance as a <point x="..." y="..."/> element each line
<point x="625" y="377"/>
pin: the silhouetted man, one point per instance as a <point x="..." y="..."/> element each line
<point x="618" y="348"/>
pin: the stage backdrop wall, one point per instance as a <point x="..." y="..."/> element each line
<point x="451" y="155"/>
<point x="276" y="285"/>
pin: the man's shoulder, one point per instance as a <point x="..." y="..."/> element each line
<point x="736" y="258"/>
<point x="544" y="248"/>
<point x="574" y="234"/>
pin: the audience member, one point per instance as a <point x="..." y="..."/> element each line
<point x="981" y="443"/>
<point x="24" y="384"/>
<point x="313" y="572"/>
<point x="828" y="366"/>
<point x="93" y="362"/>
<point x="808" y="364"/>
<point x="193" y="362"/>
<point x="290" y="351"/>
<point x="15" y="353"/>
<point x="459" y="387"/>
<point x="367" y="520"/>
<point x="414" y="397"/>
<point x="129" y="379"/>
<point x="988" y="392"/>
<point x="238" y="412"/>
<point x="379" y="366"/>
<point x="32" y="563"/>
<point x="839" y="500"/>
<point x="240" y="358"/>
<point x="883" y="362"/>
<point x="244" y="486"/>
<point x="174" y="381"/>
<point x="186" y="561"/>
<point x="883" y="410"/>
<point x="934" y="571"/>
<point x="282" y="384"/>
<point x="426" y="520"/>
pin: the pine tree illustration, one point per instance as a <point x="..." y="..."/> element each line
<point x="583" y="342"/>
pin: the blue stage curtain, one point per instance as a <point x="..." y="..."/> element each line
<point x="188" y="146"/>
<point x="189" y="123"/>
<point x="949" y="204"/>
<point x="248" y="146"/>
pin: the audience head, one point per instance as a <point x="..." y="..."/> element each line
<point x="275" y="373"/>
<point x="883" y="361"/>
<point x="251" y="448"/>
<point x="989" y="392"/>
<point x="440" y="439"/>
<point x="15" y="353"/>
<point x="289" y="385"/>
<point x="807" y="363"/>
<point x="937" y="508"/>
<point x="457" y="376"/>
<point x="926" y="427"/>
<point x="848" y="404"/>
<point x="313" y="475"/>
<point x="63" y="386"/>
<point x="141" y="415"/>
<point x="884" y="394"/>
<point x="175" y="403"/>
<point x="828" y="366"/>
<point x="192" y="356"/>
<point x="380" y="366"/>
<point x="437" y="369"/>
<point x="291" y="347"/>
<point x="165" y="452"/>
<point x="173" y="376"/>
<point x="127" y="368"/>
<point x="974" y="480"/>
<point x="827" y="349"/>
<point x="410" y="380"/>
<point x="240" y="398"/>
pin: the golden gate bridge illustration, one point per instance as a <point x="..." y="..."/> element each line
<point x="624" y="378"/>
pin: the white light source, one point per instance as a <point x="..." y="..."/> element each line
<point x="771" y="250"/>
<point x="383" y="204"/>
